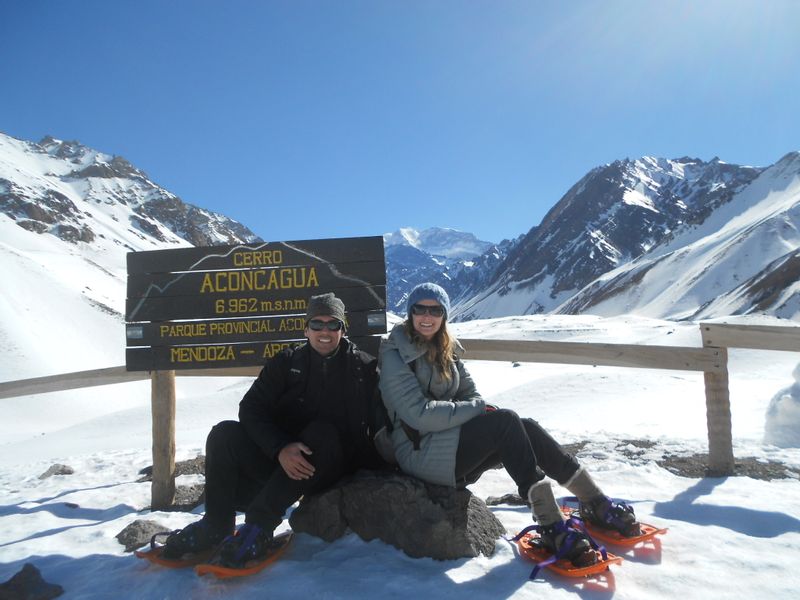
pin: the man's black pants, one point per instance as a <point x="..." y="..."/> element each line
<point x="523" y="447"/>
<point x="240" y="477"/>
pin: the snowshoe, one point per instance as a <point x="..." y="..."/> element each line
<point x="565" y="548"/>
<point x="610" y="534"/>
<point x="247" y="552"/>
<point x="186" y="547"/>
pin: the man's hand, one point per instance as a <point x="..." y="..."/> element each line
<point x="294" y="463"/>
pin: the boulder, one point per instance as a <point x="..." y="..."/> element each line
<point x="57" y="470"/>
<point x="421" y="519"/>
<point x="188" y="497"/>
<point x="512" y="499"/>
<point x="138" y="533"/>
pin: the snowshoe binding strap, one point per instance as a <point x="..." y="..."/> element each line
<point x="247" y="534"/>
<point x="153" y="544"/>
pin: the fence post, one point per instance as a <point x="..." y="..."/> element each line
<point x="162" y="491"/>
<point x="718" y="417"/>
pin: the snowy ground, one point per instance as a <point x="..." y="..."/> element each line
<point x="729" y="537"/>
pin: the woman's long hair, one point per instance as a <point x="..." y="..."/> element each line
<point x="439" y="348"/>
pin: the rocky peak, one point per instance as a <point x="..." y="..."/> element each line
<point x="116" y="167"/>
<point x="62" y="197"/>
<point x="72" y="150"/>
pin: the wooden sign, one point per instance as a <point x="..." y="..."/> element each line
<point x="232" y="306"/>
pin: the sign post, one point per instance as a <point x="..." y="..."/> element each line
<point x="162" y="398"/>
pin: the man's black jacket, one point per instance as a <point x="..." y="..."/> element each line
<point x="298" y="386"/>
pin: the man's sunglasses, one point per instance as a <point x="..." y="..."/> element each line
<point x="421" y="309"/>
<point x="317" y="325"/>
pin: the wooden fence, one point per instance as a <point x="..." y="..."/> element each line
<point x="711" y="360"/>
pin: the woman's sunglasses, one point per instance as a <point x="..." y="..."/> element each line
<point x="317" y="325"/>
<point x="421" y="309"/>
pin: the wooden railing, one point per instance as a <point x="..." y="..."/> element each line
<point x="711" y="359"/>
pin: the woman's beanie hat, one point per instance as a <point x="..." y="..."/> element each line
<point x="428" y="291"/>
<point x="325" y="305"/>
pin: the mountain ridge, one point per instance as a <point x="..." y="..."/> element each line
<point x="616" y="242"/>
<point x="631" y="209"/>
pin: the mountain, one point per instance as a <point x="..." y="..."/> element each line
<point x="744" y="258"/>
<point x="438" y="241"/>
<point x="629" y="212"/>
<point x="456" y="260"/>
<point x="48" y="188"/>
<point x="68" y="216"/>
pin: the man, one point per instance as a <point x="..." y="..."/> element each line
<point x="302" y="425"/>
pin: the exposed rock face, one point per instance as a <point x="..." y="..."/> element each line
<point x="72" y="177"/>
<point x="420" y="519"/>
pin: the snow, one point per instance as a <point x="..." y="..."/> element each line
<point x="783" y="416"/>
<point x="729" y="537"/>
<point x="637" y="197"/>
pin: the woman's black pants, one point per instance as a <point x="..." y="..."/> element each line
<point x="522" y="446"/>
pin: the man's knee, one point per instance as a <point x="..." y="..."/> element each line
<point x="228" y="442"/>
<point x="223" y="432"/>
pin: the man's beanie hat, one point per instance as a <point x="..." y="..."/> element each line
<point x="325" y="305"/>
<point x="428" y="291"/>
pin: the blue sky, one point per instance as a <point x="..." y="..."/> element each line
<point x="310" y="119"/>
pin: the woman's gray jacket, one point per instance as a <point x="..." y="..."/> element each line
<point x="428" y="403"/>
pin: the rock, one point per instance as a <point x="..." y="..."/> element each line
<point x="188" y="497"/>
<point x="512" y="499"/>
<point x="57" y="470"/>
<point x="29" y="585"/>
<point x="193" y="466"/>
<point x="321" y="515"/>
<point x="138" y="533"/>
<point x="421" y="519"/>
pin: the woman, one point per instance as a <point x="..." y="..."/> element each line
<point x="446" y="434"/>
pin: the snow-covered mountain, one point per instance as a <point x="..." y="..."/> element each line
<point x="744" y="258"/>
<point x="611" y="227"/>
<point x="51" y="186"/>
<point x="439" y="241"/>
<point x="458" y="261"/>
<point x="68" y="216"/>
